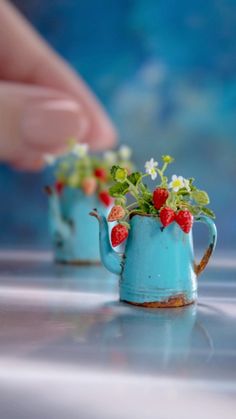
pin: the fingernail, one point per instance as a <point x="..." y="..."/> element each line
<point x="103" y="135"/>
<point x="49" y="124"/>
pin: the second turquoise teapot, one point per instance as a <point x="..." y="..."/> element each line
<point x="74" y="237"/>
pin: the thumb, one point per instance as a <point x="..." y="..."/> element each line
<point x="37" y="120"/>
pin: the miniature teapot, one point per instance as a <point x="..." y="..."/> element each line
<point x="157" y="268"/>
<point x="75" y="238"/>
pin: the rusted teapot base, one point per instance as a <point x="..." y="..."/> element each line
<point x="173" y="302"/>
<point x="79" y="262"/>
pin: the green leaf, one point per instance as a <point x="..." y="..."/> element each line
<point x="192" y="187"/>
<point x="183" y="192"/>
<point x="153" y="210"/>
<point x="194" y="209"/>
<point x="134" y="178"/>
<point x="119" y="189"/>
<point x="113" y="171"/>
<point x="208" y="212"/>
<point x="200" y="197"/>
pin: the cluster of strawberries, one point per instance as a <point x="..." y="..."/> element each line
<point x="167" y="215"/>
<point x="89" y="186"/>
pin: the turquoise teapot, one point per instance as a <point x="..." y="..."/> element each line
<point x="74" y="237"/>
<point x="157" y="268"/>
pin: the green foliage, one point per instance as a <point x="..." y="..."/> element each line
<point x="208" y="212"/>
<point x="185" y="196"/>
<point x="78" y="169"/>
<point x="134" y="178"/>
<point x="200" y="197"/>
<point x="119" y="189"/>
<point x="113" y="172"/>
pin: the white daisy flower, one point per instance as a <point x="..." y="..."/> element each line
<point x="125" y="152"/>
<point x="110" y="157"/>
<point x="80" y="149"/>
<point x="49" y="159"/>
<point x="177" y="183"/>
<point x="150" y="167"/>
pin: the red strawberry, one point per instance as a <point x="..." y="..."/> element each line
<point x="185" y="220"/>
<point x="117" y="212"/>
<point x="119" y="233"/>
<point x="167" y="216"/>
<point x="89" y="185"/>
<point x="160" y="196"/>
<point x="105" y="198"/>
<point x="101" y="174"/>
<point x="59" y="186"/>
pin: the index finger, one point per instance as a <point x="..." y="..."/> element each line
<point x="25" y="57"/>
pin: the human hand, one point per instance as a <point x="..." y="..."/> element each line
<point x="43" y="102"/>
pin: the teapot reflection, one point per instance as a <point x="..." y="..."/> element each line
<point x="150" y="339"/>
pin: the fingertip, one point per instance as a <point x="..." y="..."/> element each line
<point x="47" y="124"/>
<point x="103" y="137"/>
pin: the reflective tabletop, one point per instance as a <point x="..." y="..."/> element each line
<point x="70" y="349"/>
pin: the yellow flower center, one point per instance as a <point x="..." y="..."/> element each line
<point x="177" y="183"/>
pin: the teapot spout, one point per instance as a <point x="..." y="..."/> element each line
<point x="110" y="259"/>
<point x="58" y="224"/>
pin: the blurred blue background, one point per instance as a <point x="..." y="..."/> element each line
<point x="166" y="72"/>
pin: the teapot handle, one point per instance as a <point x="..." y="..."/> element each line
<point x="199" y="268"/>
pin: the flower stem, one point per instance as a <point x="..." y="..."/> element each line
<point x="133" y="190"/>
<point x="131" y="205"/>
